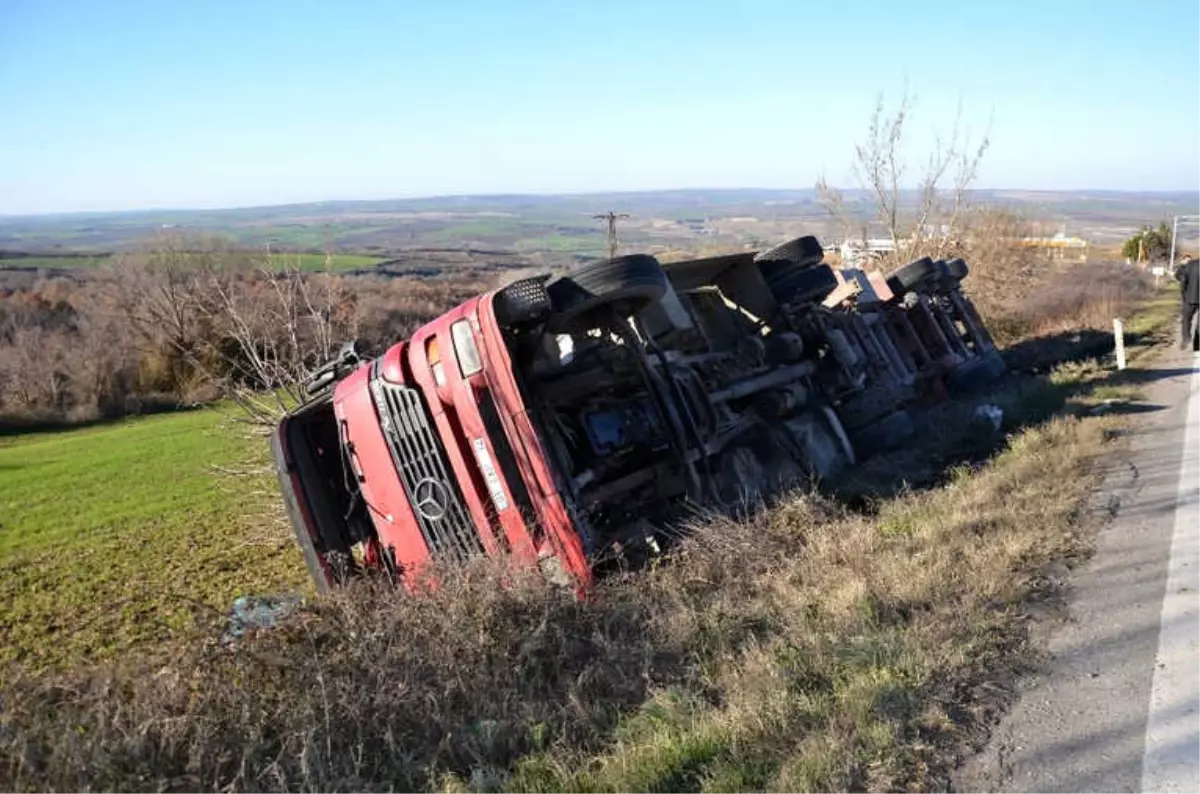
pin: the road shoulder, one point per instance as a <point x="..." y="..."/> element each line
<point x="1080" y="723"/>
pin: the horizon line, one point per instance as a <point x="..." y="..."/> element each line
<point x="573" y="194"/>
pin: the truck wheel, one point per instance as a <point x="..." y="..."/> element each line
<point x="976" y="372"/>
<point x="742" y="478"/>
<point x="624" y="285"/>
<point x="995" y="367"/>
<point x="912" y="276"/>
<point x="522" y="302"/>
<point x="871" y="404"/>
<point x="779" y="262"/>
<point x="966" y="376"/>
<point x="888" y="433"/>
<point x="802" y="285"/>
<point x="957" y="268"/>
<point x="801" y="252"/>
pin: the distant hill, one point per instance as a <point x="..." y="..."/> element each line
<point x="551" y="224"/>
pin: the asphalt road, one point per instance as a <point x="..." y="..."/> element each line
<point x="1117" y="705"/>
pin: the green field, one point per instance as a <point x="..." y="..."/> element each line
<point x="54" y="261"/>
<point x="119" y="536"/>
<point x="309" y="262"/>
<point x="316" y="262"/>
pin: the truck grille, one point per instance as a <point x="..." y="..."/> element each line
<point x="421" y="462"/>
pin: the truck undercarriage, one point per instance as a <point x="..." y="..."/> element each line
<point x="606" y="407"/>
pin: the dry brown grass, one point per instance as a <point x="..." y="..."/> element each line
<point x="1022" y="293"/>
<point x="808" y="648"/>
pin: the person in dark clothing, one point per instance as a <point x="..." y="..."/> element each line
<point x="1188" y="274"/>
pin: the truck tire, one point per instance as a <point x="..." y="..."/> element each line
<point x="522" y="302"/>
<point x="889" y="432"/>
<point x="943" y="282"/>
<point x="966" y="377"/>
<point x="976" y="372"/>
<point x="912" y="276"/>
<point x="624" y="285"/>
<point x="802" y="285"/>
<point x="957" y="269"/>
<point x="784" y="259"/>
<point x="994" y="368"/>
<point x="803" y="251"/>
<point x="872" y="404"/>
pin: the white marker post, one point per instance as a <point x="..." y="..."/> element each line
<point x="1119" y="336"/>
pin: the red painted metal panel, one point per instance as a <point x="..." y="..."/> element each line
<point x="532" y="458"/>
<point x="371" y="460"/>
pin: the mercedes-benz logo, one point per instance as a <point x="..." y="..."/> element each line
<point x="431" y="498"/>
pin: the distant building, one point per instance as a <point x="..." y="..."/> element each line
<point x="1060" y="246"/>
<point x="857" y="251"/>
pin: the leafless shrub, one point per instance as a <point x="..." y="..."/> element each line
<point x="1083" y="296"/>
<point x="931" y="223"/>
<point x="273" y="328"/>
<point x="1023" y="292"/>
<point x="196" y="318"/>
<point x="390" y="309"/>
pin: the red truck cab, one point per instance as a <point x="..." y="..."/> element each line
<point x="443" y="411"/>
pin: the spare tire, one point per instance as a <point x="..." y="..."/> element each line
<point x="913" y="276"/>
<point x="803" y="285"/>
<point x="624" y="286"/>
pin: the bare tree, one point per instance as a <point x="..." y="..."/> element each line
<point x="196" y="318"/>
<point x="32" y="366"/>
<point x="880" y="166"/>
<point x="879" y="163"/>
<point x="104" y="361"/>
<point x="967" y="160"/>
<point x="164" y="290"/>
<point x="277" y="326"/>
<point x="834" y="202"/>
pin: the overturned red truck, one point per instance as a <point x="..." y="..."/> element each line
<point x="575" y="422"/>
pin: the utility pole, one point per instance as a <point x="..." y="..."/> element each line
<point x="612" y="218"/>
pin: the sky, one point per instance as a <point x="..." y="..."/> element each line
<point x="121" y="105"/>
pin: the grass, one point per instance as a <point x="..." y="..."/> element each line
<point x="1154" y="318"/>
<point x="112" y="537"/>
<point x="315" y="263"/>
<point x="478" y="229"/>
<point x="564" y="243"/>
<point x="54" y="261"/>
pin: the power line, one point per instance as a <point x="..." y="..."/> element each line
<point x="612" y="218"/>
